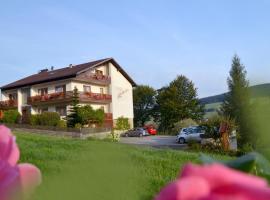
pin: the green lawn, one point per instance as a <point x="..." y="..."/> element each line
<point x="87" y="169"/>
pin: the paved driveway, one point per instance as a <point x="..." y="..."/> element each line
<point x="154" y="141"/>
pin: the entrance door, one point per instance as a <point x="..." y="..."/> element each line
<point x="26" y="113"/>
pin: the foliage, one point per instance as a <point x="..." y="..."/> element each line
<point x="61" y="124"/>
<point x="35" y="119"/>
<point x="237" y="101"/>
<point x="99" y="116"/>
<point x="78" y="125"/>
<point x="45" y="119"/>
<point x="49" y="118"/>
<point x="11" y="116"/>
<point x="114" y="136"/>
<point x="183" y="124"/>
<point x="143" y="103"/>
<point x="252" y="162"/>
<point x="87" y="115"/>
<point x="72" y="117"/>
<point x="176" y="102"/>
<point x="122" y="123"/>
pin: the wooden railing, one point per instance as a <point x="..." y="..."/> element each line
<point x="95" y="78"/>
<point x="67" y="97"/>
<point x="8" y="104"/>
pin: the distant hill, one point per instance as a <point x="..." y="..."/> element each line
<point x="256" y="91"/>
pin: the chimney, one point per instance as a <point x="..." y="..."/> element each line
<point x="43" y="70"/>
<point x="52" y="68"/>
<point x="70" y="66"/>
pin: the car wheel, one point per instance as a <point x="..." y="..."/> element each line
<point x="181" y="141"/>
<point x="126" y="135"/>
<point x="140" y="135"/>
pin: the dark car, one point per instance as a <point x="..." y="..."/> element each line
<point x="136" y="132"/>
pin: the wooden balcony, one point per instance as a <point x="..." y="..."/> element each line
<point x="66" y="97"/>
<point x="8" y="104"/>
<point x="97" y="79"/>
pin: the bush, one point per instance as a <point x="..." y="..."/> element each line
<point x="183" y="124"/>
<point x="122" y="123"/>
<point x="87" y="115"/>
<point x="11" y="116"/>
<point x="61" y="124"/>
<point x="45" y="119"/>
<point x="78" y="126"/>
<point x="35" y="120"/>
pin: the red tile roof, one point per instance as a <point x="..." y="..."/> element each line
<point x="63" y="73"/>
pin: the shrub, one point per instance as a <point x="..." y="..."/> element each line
<point x="35" y="119"/>
<point x="87" y="115"/>
<point x="122" y="123"/>
<point x="78" y="126"/>
<point x="183" y="124"/>
<point x="61" y="124"/>
<point x="99" y="116"/>
<point x="11" y="116"/>
<point x="49" y="118"/>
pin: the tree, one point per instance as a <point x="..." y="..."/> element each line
<point x="72" y="117"/>
<point x="178" y="101"/>
<point x="143" y="103"/>
<point x="237" y="101"/>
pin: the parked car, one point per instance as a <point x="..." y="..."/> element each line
<point x="136" y="132"/>
<point x="151" y="130"/>
<point x="190" y="134"/>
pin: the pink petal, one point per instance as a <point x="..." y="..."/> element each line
<point x="248" y="191"/>
<point x="190" y="188"/>
<point x="9" y="150"/>
<point x="30" y="176"/>
<point x="218" y="175"/>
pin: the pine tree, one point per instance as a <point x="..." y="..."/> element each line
<point x="72" y="118"/>
<point x="237" y="101"/>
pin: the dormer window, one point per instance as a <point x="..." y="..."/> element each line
<point x="99" y="72"/>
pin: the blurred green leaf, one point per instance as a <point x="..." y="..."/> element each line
<point x="252" y="162"/>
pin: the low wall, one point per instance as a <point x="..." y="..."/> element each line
<point x="62" y="132"/>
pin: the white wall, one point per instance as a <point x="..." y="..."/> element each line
<point x="122" y="96"/>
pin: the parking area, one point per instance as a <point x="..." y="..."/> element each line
<point x="154" y="141"/>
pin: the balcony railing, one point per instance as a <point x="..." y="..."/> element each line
<point x="65" y="97"/>
<point x="8" y="104"/>
<point x="95" y="78"/>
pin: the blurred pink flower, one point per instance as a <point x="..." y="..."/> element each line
<point x="14" y="177"/>
<point x="215" y="182"/>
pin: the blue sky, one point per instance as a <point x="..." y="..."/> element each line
<point x="153" y="40"/>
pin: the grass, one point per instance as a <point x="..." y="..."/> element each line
<point x="89" y="169"/>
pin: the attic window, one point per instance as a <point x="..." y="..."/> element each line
<point x="99" y="72"/>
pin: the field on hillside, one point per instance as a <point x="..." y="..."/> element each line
<point x="88" y="169"/>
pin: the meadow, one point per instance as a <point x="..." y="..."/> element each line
<point x="91" y="169"/>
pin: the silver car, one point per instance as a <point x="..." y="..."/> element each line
<point x="192" y="133"/>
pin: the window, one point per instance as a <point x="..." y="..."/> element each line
<point x="61" y="110"/>
<point x="87" y="88"/>
<point x="12" y="96"/>
<point x="42" y="91"/>
<point x="99" y="72"/>
<point x="102" y="108"/>
<point x="101" y="91"/>
<point x="60" y="88"/>
<point x="41" y="110"/>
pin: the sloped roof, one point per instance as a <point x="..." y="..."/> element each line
<point x="63" y="73"/>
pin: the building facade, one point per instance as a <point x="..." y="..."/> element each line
<point x="102" y="84"/>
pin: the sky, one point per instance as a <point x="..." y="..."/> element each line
<point x="153" y="40"/>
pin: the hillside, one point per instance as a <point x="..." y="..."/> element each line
<point x="262" y="90"/>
